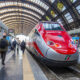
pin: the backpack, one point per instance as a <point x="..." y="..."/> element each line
<point x="23" y="45"/>
<point x="14" y="43"/>
<point x="3" y="44"/>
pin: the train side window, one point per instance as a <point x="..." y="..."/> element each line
<point x="78" y="8"/>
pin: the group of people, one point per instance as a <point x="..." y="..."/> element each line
<point x="22" y="45"/>
<point x="4" y="47"/>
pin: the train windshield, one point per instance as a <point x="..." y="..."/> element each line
<point x="53" y="26"/>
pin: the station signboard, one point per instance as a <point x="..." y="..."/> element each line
<point x="60" y="6"/>
<point x="53" y="13"/>
<point x="11" y="32"/>
<point x="47" y="18"/>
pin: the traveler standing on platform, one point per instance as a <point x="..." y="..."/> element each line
<point x="18" y="44"/>
<point x="23" y="46"/>
<point x="14" y="45"/>
<point x="3" y="48"/>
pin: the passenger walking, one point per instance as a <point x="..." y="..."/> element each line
<point x="18" y="45"/>
<point x="3" y="48"/>
<point x="23" y="46"/>
<point x="14" y="45"/>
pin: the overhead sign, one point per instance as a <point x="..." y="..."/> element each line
<point x="53" y="13"/>
<point x="47" y="18"/>
<point x="8" y="38"/>
<point x="60" y="5"/>
<point x="11" y="32"/>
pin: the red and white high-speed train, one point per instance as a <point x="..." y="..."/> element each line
<point x="50" y="42"/>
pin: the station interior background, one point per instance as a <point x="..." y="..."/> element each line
<point x="18" y="18"/>
<point x="21" y="16"/>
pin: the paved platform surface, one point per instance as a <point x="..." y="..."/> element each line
<point x="27" y="71"/>
<point x="16" y="67"/>
<point x="19" y="66"/>
<point x="12" y="69"/>
<point x="8" y="56"/>
<point x="37" y="71"/>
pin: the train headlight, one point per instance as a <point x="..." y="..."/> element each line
<point x="71" y="45"/>
<point x="57" y="45"/>
<point x="50" y="43"/>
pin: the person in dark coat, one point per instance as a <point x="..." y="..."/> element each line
<point x="14" y="45"/>
<point x="23" y="46"/>
<point x="3" y="48"/>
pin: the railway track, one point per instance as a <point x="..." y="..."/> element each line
<point x="69" y="73"/>
<point x="75" y="68"/>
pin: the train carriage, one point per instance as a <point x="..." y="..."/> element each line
<point x="50" y="42"/>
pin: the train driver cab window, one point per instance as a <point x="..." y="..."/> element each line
<point x="53" y="26"/>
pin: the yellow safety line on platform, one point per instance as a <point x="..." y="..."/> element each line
<point x="27" y="71"/>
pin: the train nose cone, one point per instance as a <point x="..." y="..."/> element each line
<point x="52" y="54"/>
<point x="66" y="51"/>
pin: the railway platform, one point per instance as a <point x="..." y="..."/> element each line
<point x="20" y="66"/>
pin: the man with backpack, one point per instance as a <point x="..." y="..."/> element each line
<point x="23" y="46"/>
<point x="14" y="45"/>
<point x="3" y="48"/>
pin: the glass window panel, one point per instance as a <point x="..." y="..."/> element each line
<point x="40" y="3"/>
<point x="7" y="10"/>
<point x="68" y="17"/>
<point x="11" y="14"/>
<point x="15" y="18"/>
<point x="59" y="21"/>
<point x="19" y="23"/>
<point x="79" y="11"/>
<point x="52" y="1"/>
<point x="73" y="1"/>
<point x="63" y="8"/>
<point x="23" y="5"/>
<point x="70" y="20"/>
<point x="78" y="8"/>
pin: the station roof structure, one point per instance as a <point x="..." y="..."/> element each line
<point x="27" y="13"/>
